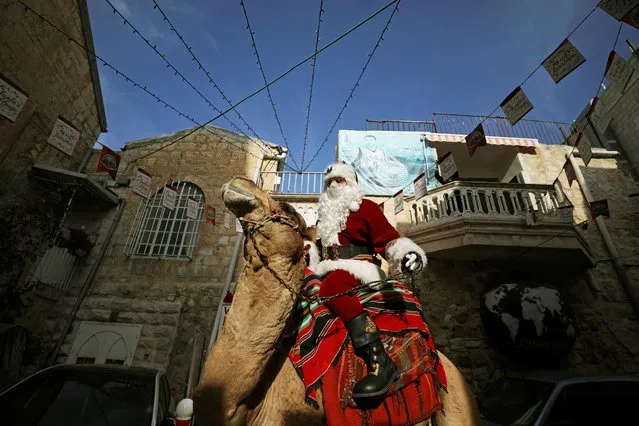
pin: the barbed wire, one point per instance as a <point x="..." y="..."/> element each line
<point x="310" y="92"/>
<point x="135" y="84"/>
<point x="171" y="66"/>
<point x="268" y="90"/>
<point x="201" y="67"/>
<point x="352" y="91"/>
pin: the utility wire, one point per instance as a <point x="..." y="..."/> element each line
<point x="135" y="84"/>
<point x="350" y="96"/>
<point x="268" y="90"/>
<point x="310" y="92"/>
<point x="169" y="64"/>
<point x="201" y="67"/>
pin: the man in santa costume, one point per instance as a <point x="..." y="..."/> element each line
<point x="352" y="233"/>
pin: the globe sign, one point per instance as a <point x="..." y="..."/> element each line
<point x="533" y="323"/>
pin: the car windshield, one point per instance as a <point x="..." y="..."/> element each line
<point x="511" y="401"/>
<point x="79" y="398"/>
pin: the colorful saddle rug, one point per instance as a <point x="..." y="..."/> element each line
<point x="321" y="339"/>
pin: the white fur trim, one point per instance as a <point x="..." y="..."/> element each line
<point x="397" y="249"/>
<point x="342" y="170"/>
<point x="313" y="253"/>
<point x="354" y="205"/>
<point x="364" y="271"/>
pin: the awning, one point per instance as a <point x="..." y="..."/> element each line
<point x="87" y="185"/>
<point x="491" y="140"/>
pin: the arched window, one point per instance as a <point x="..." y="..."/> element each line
<point x="159" y="231"/>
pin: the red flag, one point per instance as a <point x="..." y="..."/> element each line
<point x="570" y="172"/>
<point x="475" y="139"/>
<point x="599" y="208"/>
<point x="108" y="162"/>
<point x="210" y="214"/>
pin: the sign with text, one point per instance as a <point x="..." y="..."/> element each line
<point x="584" y="148"/>
<point x="398" y="200"/>
<point x="618" y="8"/>
<point x="64" y="136"/>
<point x="141" y="183"/>
<point x="564" y="60"/>
<point x="475" y="139"/>
<point x="634" y="202"/>
<point x="192" y="207"/>
<point x="210" y="214"/>
<point x="420" y="186"/>
<point x="599" y="117"/>
<point x="599" y="208"/>
<point x="618" y="71"/>
<point x="169" y="197"/>
<point x="447" y="167"/>
<point x="12" y="99"/>
<point x="108" y="162"/>
<point x="516" y="106"/>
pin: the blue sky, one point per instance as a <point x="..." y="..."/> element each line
<point x="456" y="56"/>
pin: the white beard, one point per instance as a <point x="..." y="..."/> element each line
<point x="335" y="204"/>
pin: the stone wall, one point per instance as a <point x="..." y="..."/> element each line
<point x="56" y="76"/>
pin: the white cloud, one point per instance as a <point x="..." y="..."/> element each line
<point x="122" y="7"/>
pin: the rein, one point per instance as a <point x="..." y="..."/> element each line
<point x="252" y="227"/>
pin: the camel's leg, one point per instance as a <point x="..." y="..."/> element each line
<point x="460" y="408"/>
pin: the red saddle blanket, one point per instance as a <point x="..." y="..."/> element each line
<point x="322" y="344"/>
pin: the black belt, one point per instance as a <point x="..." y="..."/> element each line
<point x="342" y="252"/>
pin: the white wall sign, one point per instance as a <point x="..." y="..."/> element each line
<point x="447" y="167"/>
<point x="618" y="71"/>
<point x="618" y="8"/>
<point x="192" y="206"/>
<point x="169" y="196"/>
<point x="420" y="186"/>
<point x="398" y="199"/>
<point x="64" y="136"/>
<point x="141" y="183"/>
<point x="12" y="100"/>
<point x="565" y="59"/>
<point x="516" y="106"/>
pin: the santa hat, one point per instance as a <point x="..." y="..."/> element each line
<point x="343" y="170"/>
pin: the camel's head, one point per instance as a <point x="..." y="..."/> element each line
<point x="248" y="202"/>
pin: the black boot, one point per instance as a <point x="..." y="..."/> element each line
<point x="382" y="370"/>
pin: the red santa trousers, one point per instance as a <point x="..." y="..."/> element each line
<point x="345" y="307"/>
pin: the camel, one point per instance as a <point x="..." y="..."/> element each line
<point x="248" y="378"/>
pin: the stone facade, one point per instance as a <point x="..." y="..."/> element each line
<point x="60" y="80"/>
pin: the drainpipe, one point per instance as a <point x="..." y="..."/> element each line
<point x="629" y="288"/>
<point x="87" y="283"/>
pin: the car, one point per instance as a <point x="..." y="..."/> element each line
<point x="89" y="395"/>
<point x="555" y="398"/>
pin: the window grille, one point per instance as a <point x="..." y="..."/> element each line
<point x="163" y="233"/>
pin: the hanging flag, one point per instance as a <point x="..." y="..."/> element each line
<point x="12" y="99"/>
<point x="169" y="197"/>
<point x="108" y="162"/>
<point x="583" y="146"/>
<point x="447" y="166"/>
<point x="618" y="8"/>
<point x="475" y="139"/>
<point x="634" y="202"/>
<point x="64" y="136"/>
<point x="632" y="18"/>
<point x="564" y="60"/>
<point x="192" y="207"/>
<point x="399" y="201"/>
<point x="566" y="213"/>
<point x="141" y="183"/>
<point x="599" y="208"/>
<point x="516" y="105"/>
<point x="210" y="214"/>
<point x="420" y="186"/>
<point x="599" y="116"/>
<point x="618" y="71"/>
<point x="570" y="172"/>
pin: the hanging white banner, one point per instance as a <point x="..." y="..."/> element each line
<point x="564" y="60"/>
<point x="141" y="183"/>
<point x="192" y="207"/>
<point x="169" y="196"/>
<point x="12" y="100"/>
<point x="516" y="106"/>
<point x="618" y="71"/>
<point x="447" y="167"/>
<point x="64" y="136"/>
<point x="398" y="199"/>
<point x="420" y="186"/>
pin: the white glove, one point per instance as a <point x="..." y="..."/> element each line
<point x="412" y="262"/>
<point x="377" y="285"/>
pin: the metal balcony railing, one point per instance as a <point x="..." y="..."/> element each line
<point x="294" y="183"/>
<point x="401" y="125"/>
<point x="487" y="200"/>
<point x="547" y="132"/>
